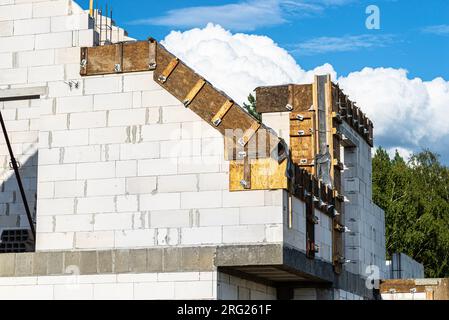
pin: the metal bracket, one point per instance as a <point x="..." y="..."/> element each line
<point x="152" y="52"/>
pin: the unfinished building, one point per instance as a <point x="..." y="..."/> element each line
<point x="143" y="181"/>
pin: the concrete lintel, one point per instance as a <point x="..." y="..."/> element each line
<point x="23" y="93"/>
<point x="152" y="260"/>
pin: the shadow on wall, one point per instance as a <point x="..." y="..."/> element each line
<point x="12" y="210"/>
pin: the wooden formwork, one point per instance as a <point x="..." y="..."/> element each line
<point x="258" y="158"/>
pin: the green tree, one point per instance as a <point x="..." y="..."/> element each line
<point x="250" y="106"/>
<point x="415" y="197"/>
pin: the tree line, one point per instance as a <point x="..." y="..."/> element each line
<point x="415" y="197"/>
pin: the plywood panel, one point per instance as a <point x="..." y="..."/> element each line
<point x="266" y="174"/>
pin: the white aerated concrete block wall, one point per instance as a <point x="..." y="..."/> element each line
<point x="234" y="288"/>
<point x="127" y="165"/>
<point x="36" y="49"/>
<point x="146" y="286"/>
<point x="365" y="244"/>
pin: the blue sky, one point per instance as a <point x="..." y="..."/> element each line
<point x="413" y="35"/>
<point x="401" y="42"/>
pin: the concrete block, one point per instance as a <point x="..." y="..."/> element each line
<point x="113" y="221"/>
<point x="194" y="290"/>
<point x="7" y="265"/>
<point x="180" y="148"/>
<point x="6" y="28"/>
<point x="73" y="292"/>
<point x="107" y="84"/>
<point x="261" y="215"/>
<point x="51" y="8"/>
<point x="199" y="165"/>
<point x="6" y="61"/>
<point x="98" y="170"/>
<point x="82" y="154"/>
<point x="177" y="183"/>
<point x="219" y="217"/>
<point x="54" y="241"/>
<point x="46" y="73"/>
<point x="170" y="219"/>
<point x="204" y="199"/>
<point x="213" y="181"/>
<point x="49" y="207"/>
<point x="199" y="130"/>
<point x="108" y="135"/>
<point x="113" y="101"/>
<point x="70" y="138"/>
<point x="139" y="82"/>
<point x="13" y="76"/>
<point x="201" y="236"/>
<point x="54" y="122"/>
<point x="53" y="40"/>
<point x="31" y="26"/>
<point x="158" y="98"/>
<point x="127" y="117"/>
<point x="56" y="173"/>
<point x="161" y="132"/>
<point x="88" y="120"/>
<point x="146" y="150"/>
<point x="178" y="113"/>
<point x="69" y="189"/>
<point x="167" y="237"/>
<point x="16" y="12"/>
<point x="28" y="113"/>
<point x="135" y="238"/>
<point x="17" y="125"/>
<point x="212" y="147"/>
<point x="17" y="43"/>
<point x="67" y="55"/>
<point x="46" y="190"/>
<point x="141" y="185"/>
<point x="95" y="205"/>
<point x="126" y="169"/>
<point x="244" y="234"/>
<point x="136" y="278"/>
<point x="49" y="156"/>
<point x="155" y="167"/>
<point x="105" y="187"/>
<point x="154" y="261"/>
<point x="74" y="104"/>
<point x="160" y="201"/>
<point x="154" y="291"/>
<point x="116" y="291"/>
<point x="127" y="203"/>
<point x="94" y="240"/>
<point x="74" y="223"/>
<point x="70" y="22"/>
<point x="243" y="199"/>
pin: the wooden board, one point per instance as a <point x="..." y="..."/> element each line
<point x="276" y="98"/>
<point x="266" y="174"/>
<point x="207" y="104"/>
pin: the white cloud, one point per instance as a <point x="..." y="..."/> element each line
<point x="342" y="44"/>
<point x="442" y="29"/>
<point x="241" y="16"/>
<point x="238" y="63"/>
<point x="407" y="113"/>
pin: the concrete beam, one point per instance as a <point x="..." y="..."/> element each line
<point x="23" y="93"/>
